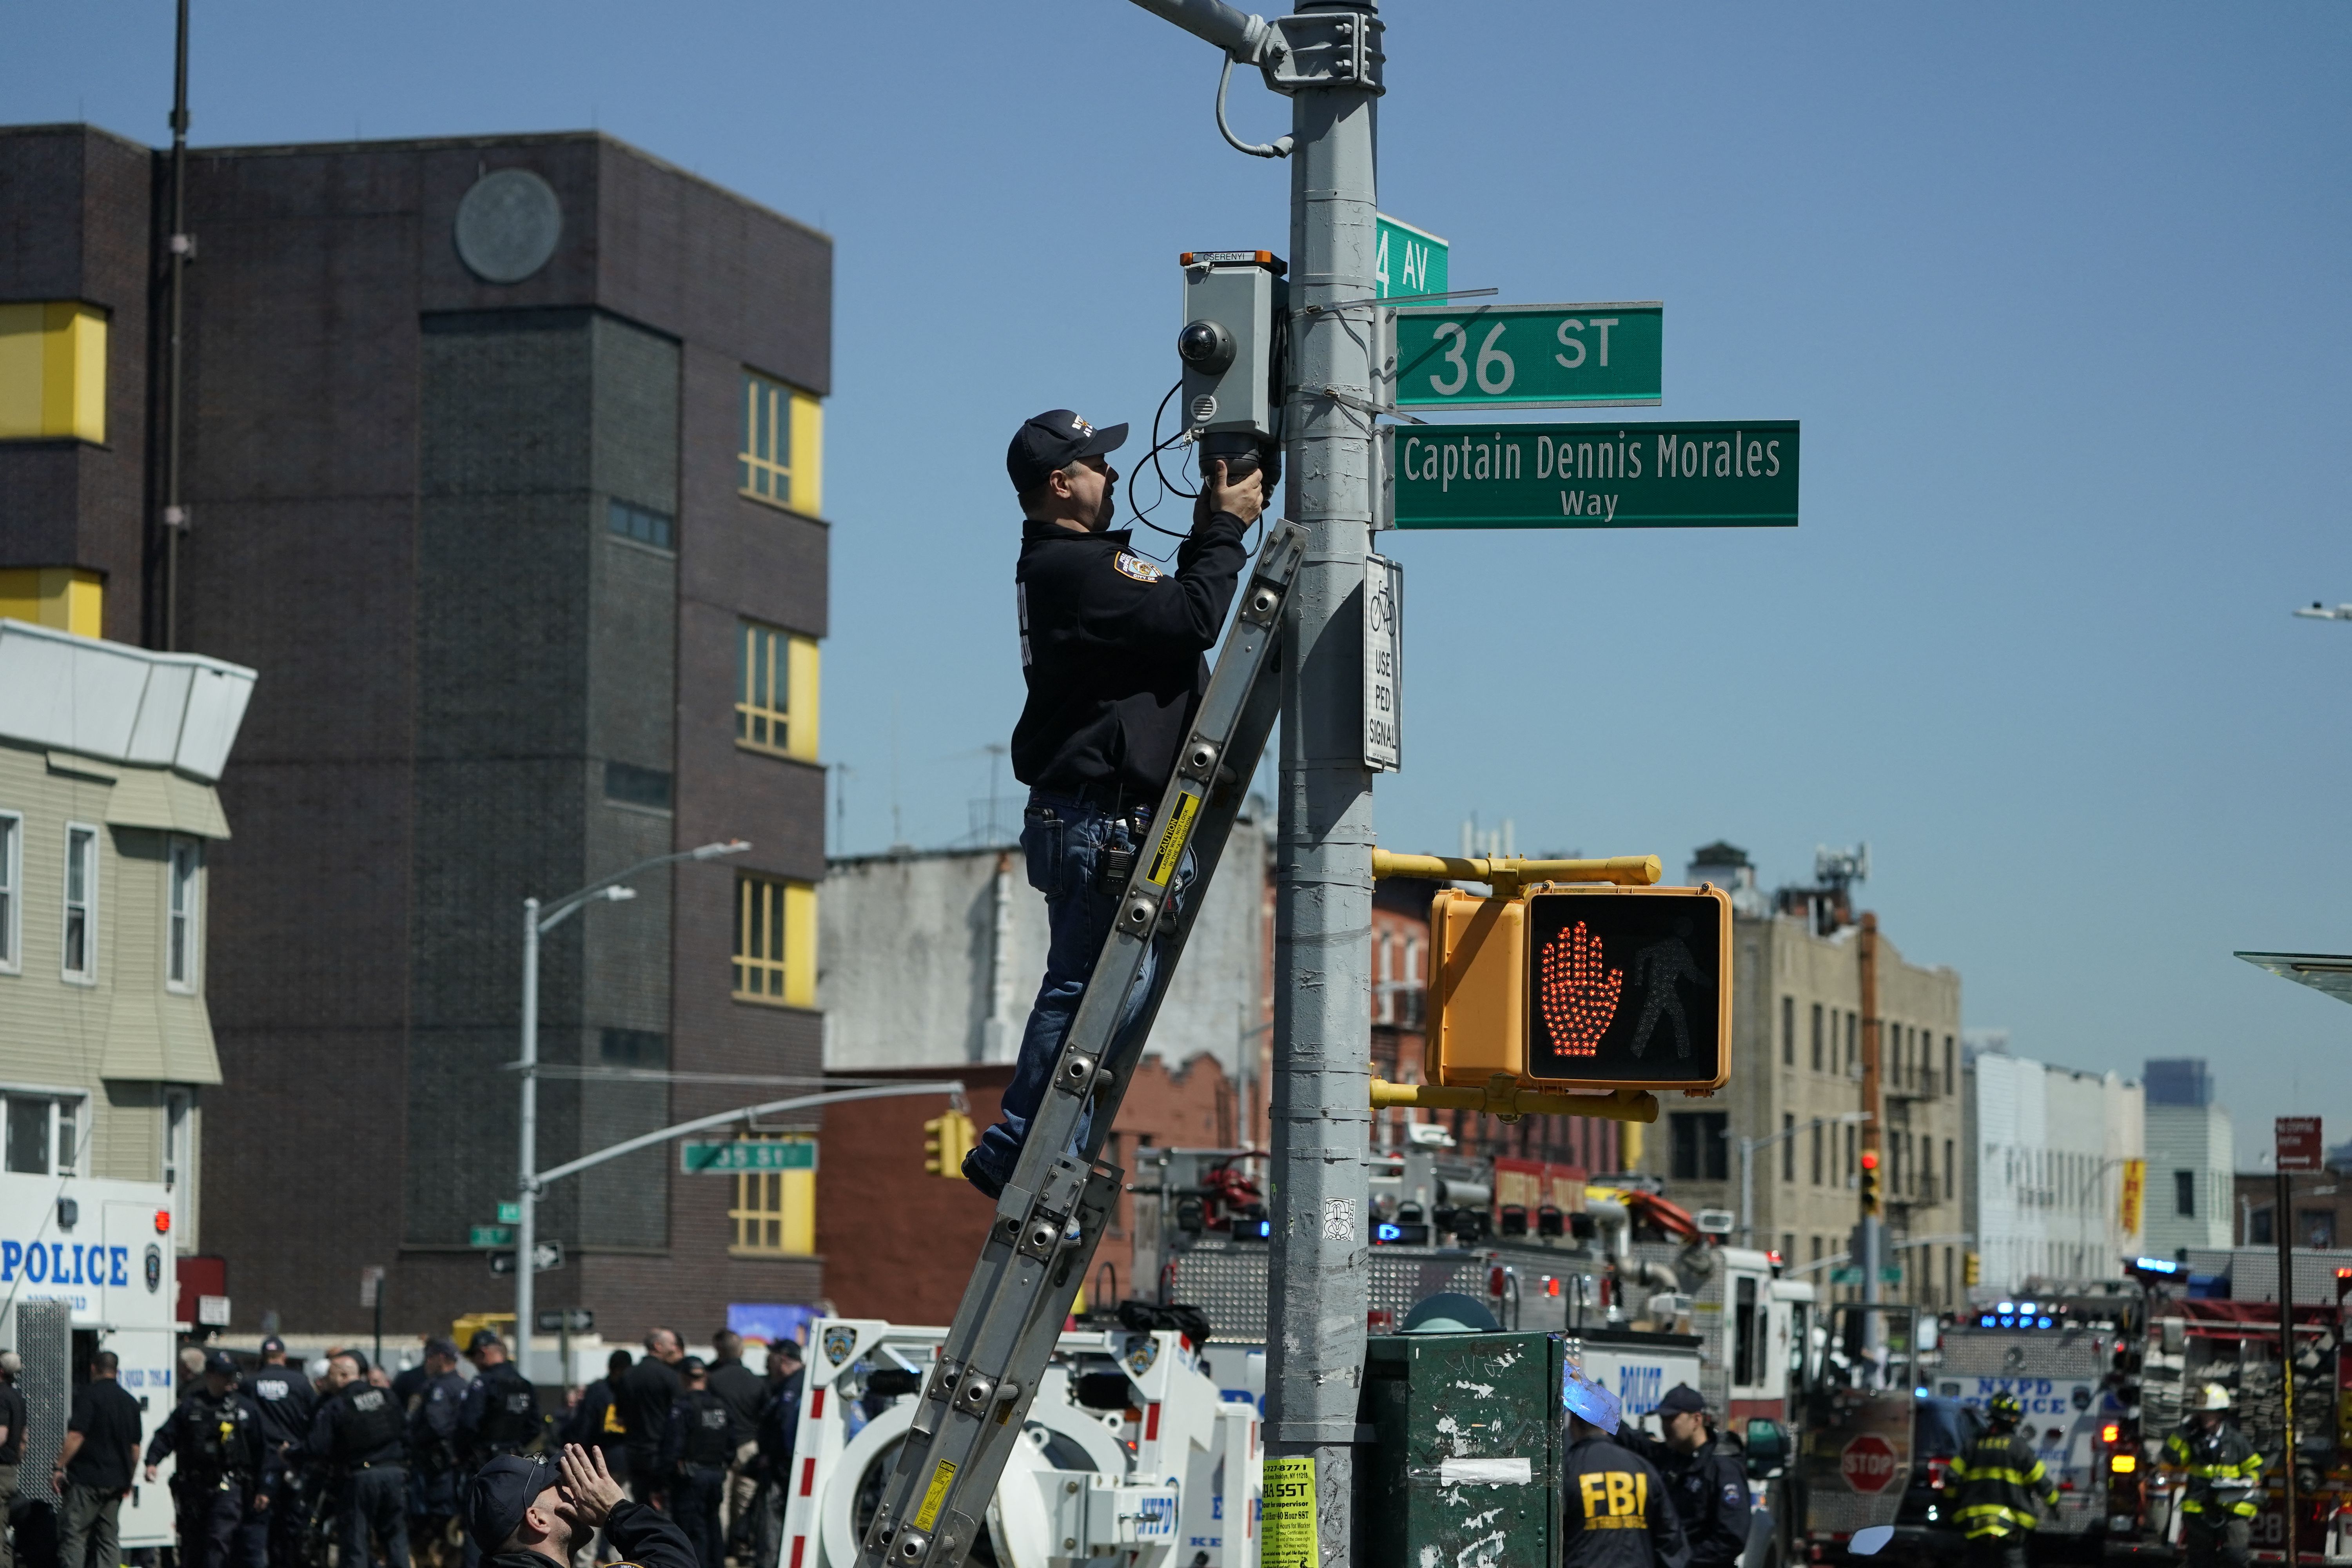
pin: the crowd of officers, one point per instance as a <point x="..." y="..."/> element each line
<point x="274" y="1463"/>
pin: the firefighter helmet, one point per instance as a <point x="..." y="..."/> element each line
<point x="2213" y="1396"/>
<point x="2006" y="1407"/>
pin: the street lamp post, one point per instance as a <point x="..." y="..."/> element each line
<point x="1747" y="1147"/>
<point x="527" y="1182"/>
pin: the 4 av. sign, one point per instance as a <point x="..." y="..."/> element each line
<point x="1717" y="474"/>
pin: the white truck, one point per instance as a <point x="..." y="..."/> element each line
<point x="1135" y="1456"/>
<point x="87" y="1266"/>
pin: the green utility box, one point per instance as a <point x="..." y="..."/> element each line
<point x="1462" y="1462"/>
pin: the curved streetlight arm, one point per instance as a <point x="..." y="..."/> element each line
<point x="799" y="1102"/>
<point x="560" y="909"/>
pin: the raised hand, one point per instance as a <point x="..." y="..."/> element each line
<point x="1576" y="991"/>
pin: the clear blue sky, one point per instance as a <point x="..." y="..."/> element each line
<point x="2059" y="293"/>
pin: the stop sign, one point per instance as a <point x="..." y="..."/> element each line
<point x="1868" y="1463"/>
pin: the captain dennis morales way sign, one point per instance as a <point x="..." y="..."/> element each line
<point x="1716" y="474"/>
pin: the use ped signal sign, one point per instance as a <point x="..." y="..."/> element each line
<point x="1528" y="356"/>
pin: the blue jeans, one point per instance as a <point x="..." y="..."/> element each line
<point x="1062" y="841"/>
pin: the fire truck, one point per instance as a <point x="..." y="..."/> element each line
<point x="2215" y="1319"/>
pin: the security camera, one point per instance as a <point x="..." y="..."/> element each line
<point x="1206" y="347"/>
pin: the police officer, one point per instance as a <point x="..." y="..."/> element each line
<point x="745" y="1392"/>
<point x="2001" y="1481"/>
<point x="703" y="1434"/>
<point x="531" y="1512"/>
<point x="500" y="1413"/>
<point x="433" y="1469"/>
<point x="644" y="1396"/>
<point x="778" y="1435"/>
<point x="216" y="1432"/>
<point x="1111" y="648"/>
<point x="361" y="1434"/>
<point x="1614" y="1512"/>
<point x="283" y="1395"/>
<point x="2225" y="1476"/>
<point x="1705" y="1476"/>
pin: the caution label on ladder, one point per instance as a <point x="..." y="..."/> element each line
<point x="1172" y="841"/>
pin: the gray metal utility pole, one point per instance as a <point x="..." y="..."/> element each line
<point x="1327" y="59"/>
<point x="527" y="1180"/>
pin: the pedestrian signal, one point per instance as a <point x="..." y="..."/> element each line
<point x="946" y="1141"/>
<point x="1582" y="987"/>
<point x="1870" y="1180"/>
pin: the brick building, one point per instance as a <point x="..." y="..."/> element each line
<point x="503" y="458"/>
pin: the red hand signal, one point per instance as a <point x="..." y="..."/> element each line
<point x="1576" y="991"/>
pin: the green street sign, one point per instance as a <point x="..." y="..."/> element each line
<point x="1407" y="260"/>
<point x="510" y="1213"/>
<point x="1845" y="1274"/>
<point x="730" y="1159"/>
<point x="490" y="1235"/>
<point x="1528" y="356"/>
<point x="1704" y="474"/>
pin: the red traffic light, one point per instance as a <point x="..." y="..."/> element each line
<point x="163" y="1222"/>
<point x="1870" y="1159"/>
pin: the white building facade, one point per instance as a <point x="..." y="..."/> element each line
<point x="2054" y="1148"/>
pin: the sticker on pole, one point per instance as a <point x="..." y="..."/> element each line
<point x="1288" y="1515"/>
<point x="1868" y="1463"/>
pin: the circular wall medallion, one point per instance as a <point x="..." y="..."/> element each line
<point x="507" y="225"/>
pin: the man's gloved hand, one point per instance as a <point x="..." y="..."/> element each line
<point x="1244" y="498"/>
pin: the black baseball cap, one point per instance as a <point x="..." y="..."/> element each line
<point x="502" y="1490"/>
<point x="1055" y="440"/>
<point x="221" y="1361"/>
<point x="483" y="1339"/>
<point x="1682" y="1399"/>
<point x="441" y="1344"/>
<point x="273" y="1345"/>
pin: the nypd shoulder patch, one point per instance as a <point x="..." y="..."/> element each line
<point x="1136" y="567"/>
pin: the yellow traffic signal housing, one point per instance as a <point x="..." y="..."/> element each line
<point x="1869" y="1201"/>
<point x="1568" y="988"/>
<point x="946" y="1141"/>
<point x="1970" y="1270"/>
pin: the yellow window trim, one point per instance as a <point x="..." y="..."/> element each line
<point x="53" y="371"/>
<point x="770" y="662"/>
<point x="774" y="1213"/>
<point x="63" y="598"/>
<point x="781" y="419"/>
<point x="775" y="961"/>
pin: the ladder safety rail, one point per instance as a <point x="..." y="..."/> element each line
<point x="1061" y="1196"/>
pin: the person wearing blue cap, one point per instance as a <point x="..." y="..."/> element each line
<point x="1112" y="649"/>
<point x="527" y="1511"/>
<point x="1615" y="1509"/>
<point x="1706" y="1479"/>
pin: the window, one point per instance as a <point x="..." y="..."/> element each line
<point x="1849" y="1155"/>
<point x="782" y="435"/>
<point x="1788" y="1031"/>
<point x="775" y="1211"/>
<point x="12" y="871"/>
<point x="81" y="961"/>
<point x="633" y="1047"/>
<point x="2184" y="1193"/>
<point x="775" y="691"/>
<point x="180" y="961"/>
<point x="643" y="524"/>
<point x="633" y="786"/>
<point x="1951" y="1084"/>
<point x="1788" y="1147"/>
<point x="2258" y="1228"/>
<point x="2315" y="1229"/>
<point x="177" y="1106"/>
<point x="1817" y="1036"/>
<point x="1747" y="1340"/>
<point x="1817" y="1153"/>
<point x="775" y="940"/>
<point x="1700" y="1152"/>
<point x="40" y="1136"/>
<point x="53" y="371"/>
<point x="1951" y="1175"/>
<point x="1852" y="1057"/>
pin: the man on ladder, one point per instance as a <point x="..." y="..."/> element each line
<point x="1112" y="648"/>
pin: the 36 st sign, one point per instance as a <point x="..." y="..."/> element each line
<point x="1528" y="356"/>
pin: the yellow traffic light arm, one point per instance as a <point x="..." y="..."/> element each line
<point x="1508" y="875"/>
<point x="1502" y="1096"/>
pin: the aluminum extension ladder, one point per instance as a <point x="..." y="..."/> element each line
<point x="1054" y="1209"/>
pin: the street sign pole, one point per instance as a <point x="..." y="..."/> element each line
<point x="2296" y="1146"/>
<point x="525" y="1300"/>
<point x="1322" y="1088"/>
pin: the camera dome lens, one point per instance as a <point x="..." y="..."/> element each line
<point x="1197" y="342"/>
